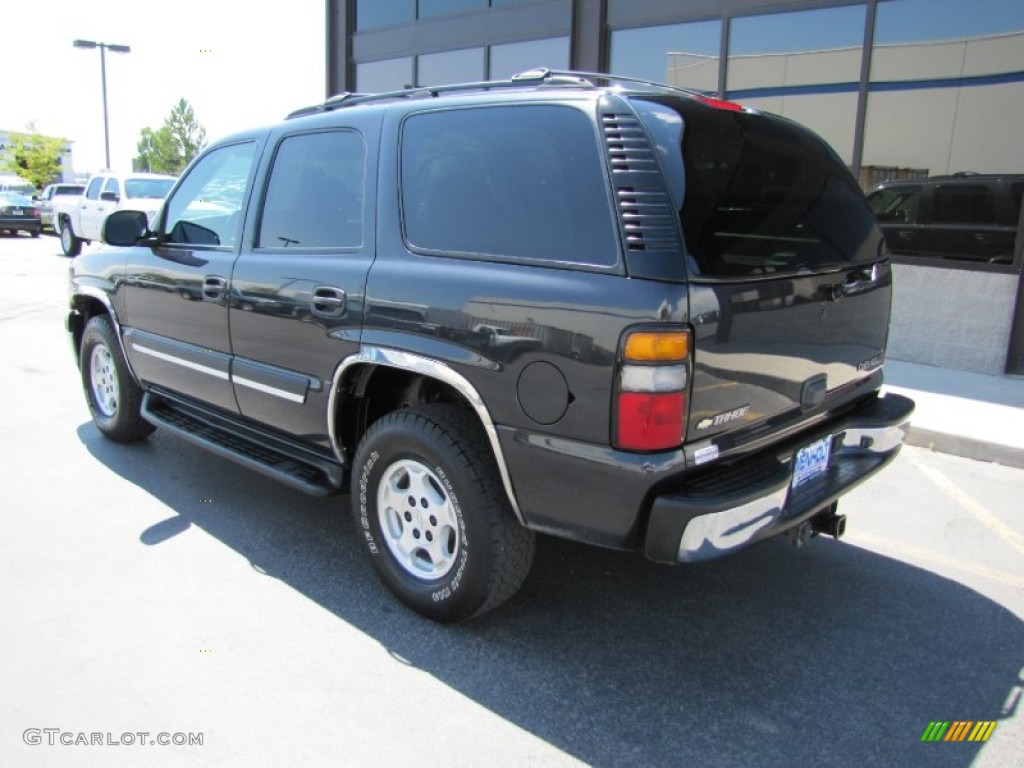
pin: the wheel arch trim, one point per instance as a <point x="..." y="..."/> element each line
<point x="92" y="292"/>
<point x="425" y="366"/>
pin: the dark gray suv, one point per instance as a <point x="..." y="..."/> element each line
<point x="963" y="217"/>
<point x="572" y="304"/>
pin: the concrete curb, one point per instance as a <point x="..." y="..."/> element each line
<point x="968" y="447"/>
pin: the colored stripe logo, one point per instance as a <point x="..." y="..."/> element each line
<point x="958" y="730"/>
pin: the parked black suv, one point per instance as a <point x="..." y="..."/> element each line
<point x="624" y="314"/>
<point x="964" y="217"/>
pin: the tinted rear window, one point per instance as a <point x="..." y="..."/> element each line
<point x="516" y="183"/>
<point x="761" y="195"/>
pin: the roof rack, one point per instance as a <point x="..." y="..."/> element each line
<point x="539" y="76"/>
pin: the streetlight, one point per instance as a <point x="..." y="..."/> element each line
<point x="103" y="77"/>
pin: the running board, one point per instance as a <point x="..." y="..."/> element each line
<point x="286" y="462"/>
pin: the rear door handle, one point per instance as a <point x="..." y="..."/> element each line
<point x="213" y="287"/>
<point x="328" y="301"/>
<point x="857" y="281"/>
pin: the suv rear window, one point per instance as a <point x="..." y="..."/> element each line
<point x="517" y="183"/>
<point x="761" y="196"/>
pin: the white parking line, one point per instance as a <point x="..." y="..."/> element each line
<point x="897" y="549"/>
<point x="972" y="505"/>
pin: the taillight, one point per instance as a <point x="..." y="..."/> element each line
<point x="650" y="408"/>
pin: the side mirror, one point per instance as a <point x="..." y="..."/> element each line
<point x="110" y="197"/>
<point x="125" y="228"/>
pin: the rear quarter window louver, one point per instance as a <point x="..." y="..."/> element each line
<point x="647" y="220"/>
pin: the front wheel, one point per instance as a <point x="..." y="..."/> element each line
<point x="432" y="512"/>
<point x="115" y="400"/>
<point x="71" y="245"/>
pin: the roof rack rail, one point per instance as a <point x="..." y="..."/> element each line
<point x="539" y="76"/>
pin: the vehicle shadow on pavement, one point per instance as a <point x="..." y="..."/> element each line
<point x="827" y="655"/>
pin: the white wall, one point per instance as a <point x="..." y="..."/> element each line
<point x="952" y="318"/>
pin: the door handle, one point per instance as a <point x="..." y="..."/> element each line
<point x="328" y="301"/>
<point x="213" y="287"/>
<point x="856" y="281"/>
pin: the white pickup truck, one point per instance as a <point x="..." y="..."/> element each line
<point x="80" y="219"/>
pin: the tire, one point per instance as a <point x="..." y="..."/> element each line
<point x="433" y="514"/>
<point x="35" y="233"/>
<point x="114" y="399"/>
<point x="70" y="244"/>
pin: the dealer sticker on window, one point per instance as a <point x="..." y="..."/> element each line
<point x="811" y="461"/>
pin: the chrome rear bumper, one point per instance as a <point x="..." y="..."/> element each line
<point x="733" y="506"/>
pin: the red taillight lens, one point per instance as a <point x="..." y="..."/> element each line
<point x="650" y="421"/>
<point x="653" y="379"/>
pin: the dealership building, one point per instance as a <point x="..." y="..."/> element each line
<point x="902" y="89"/>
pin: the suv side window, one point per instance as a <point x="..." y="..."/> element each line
<point x="112" y="186"/>
<point x="206" y="208"/>
<point x="315" y="194"/>
<point x="519" y="183"/>
<point x="963" y="204"/>
<point x="899" y="204"/>
<point x="93" y="192"/>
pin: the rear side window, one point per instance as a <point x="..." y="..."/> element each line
<point x="896" y="205"/>
<point x="963" y="204"/>
<point x="763" y="196"/>
<point x="517" y="183"/>
<point x="315" y="195"/>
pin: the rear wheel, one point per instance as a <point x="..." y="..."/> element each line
<point x="70" y="244"/>
<point x="114" y="399"/>
<point x="35" y="233"/>
<point x="431" y="509"/>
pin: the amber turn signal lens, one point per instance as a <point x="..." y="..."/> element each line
<point x="656" y="347"/>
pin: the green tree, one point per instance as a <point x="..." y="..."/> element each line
<point x="157" y="152"/>
<point x="35" y="157"/>
<point x="172" y="146"/>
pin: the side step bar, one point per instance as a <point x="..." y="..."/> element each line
<point x="286" y="462"/>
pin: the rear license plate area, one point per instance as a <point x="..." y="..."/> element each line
<point x="811" y="461"/>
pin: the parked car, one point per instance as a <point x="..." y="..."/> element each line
<point x="19" y="214"/>
<point x="966" y="217"/>
<point x="80" y="219"/>
<point x="700" y="320"/>
<point x="44" y="200"/>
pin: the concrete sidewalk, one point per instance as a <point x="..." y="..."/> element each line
<point x="966" y="414"/>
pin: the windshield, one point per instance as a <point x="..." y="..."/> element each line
<point x="67" y="189"/>
<point x="758" y="195"/>
<point x="15" y="199"/>
<point x="157" y="188"/>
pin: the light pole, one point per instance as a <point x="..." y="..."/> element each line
<point x="103" y="77"/>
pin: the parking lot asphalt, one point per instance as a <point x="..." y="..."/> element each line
<point x="155" y="589"/>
